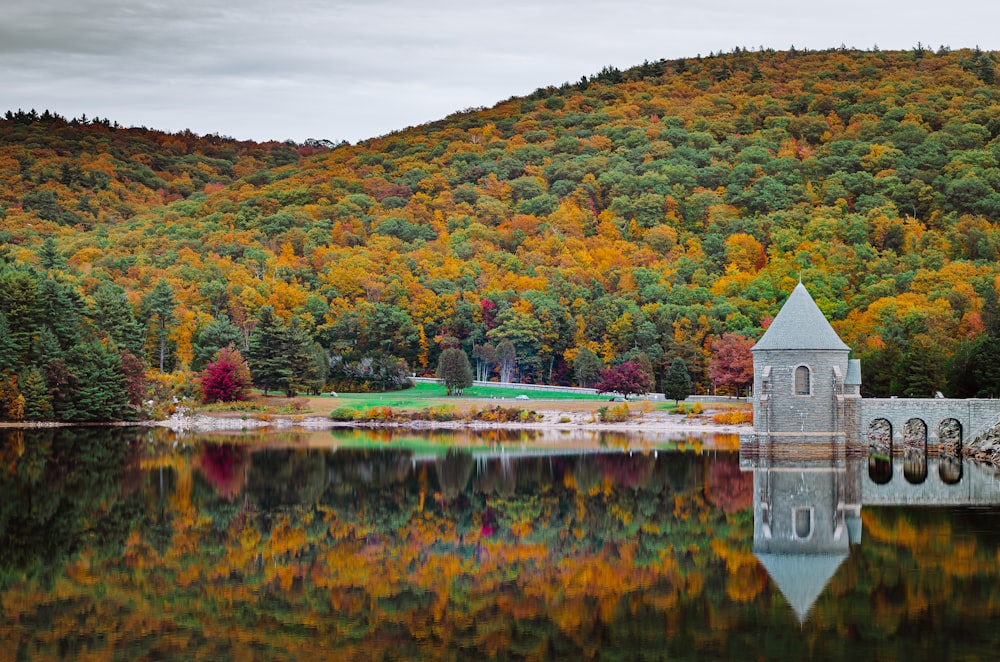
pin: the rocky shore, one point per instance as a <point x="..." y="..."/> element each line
<point x="986" y="447"/>
<point x="184" y="421"/>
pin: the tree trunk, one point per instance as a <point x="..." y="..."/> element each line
<point x="163" y="350"/>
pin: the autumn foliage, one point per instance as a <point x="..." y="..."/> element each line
<point x="626" y="379"/>
<point x="227" y="378"/>
<point x="637" y="215"/>
<point x="731" y="364"/>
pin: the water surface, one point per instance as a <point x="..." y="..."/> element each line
<point x="114" y="545"/>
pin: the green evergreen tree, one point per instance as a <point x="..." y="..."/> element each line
<point x="49" y="256"/>
<point x="158" y="307"/>
<point x="37" y="400"/>
<point x="267" y="355"/>
<point x="300" y="356"/>
<point x="8" y="350"/>
<point x="586" y="366"/>
<point x="212" y="337"/>
<point x="100" y="390"/>
<point x="113" y="315"/>
<point x="20" y="302"/>
<point x="62" y="311"/>
<point x="677" y="382"/>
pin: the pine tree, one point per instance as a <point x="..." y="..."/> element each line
<point x="62" y="309"/>
<point x="267" y="355"/>
<point x="100" y="393"/>
<point x="112" y="314"/>
<point x="677" y="383"/>
<point x="211" y="338"/>
<point x="8" y="350"/>
<point x="301" y="358"/>
<point x="158" y="307"/>
<point x="20" y="303"/>
<point x="49" y="256"/>
<point x="37" y="400"/>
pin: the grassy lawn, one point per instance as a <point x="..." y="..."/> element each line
<point x="427" y="395"/>
<point x="422" y="396"/>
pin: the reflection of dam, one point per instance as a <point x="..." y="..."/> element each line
<point x="977" y="485"/>
<point x="807" y="514"/>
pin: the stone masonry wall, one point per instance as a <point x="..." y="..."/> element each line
<point x="787" y="413"/>
<point x="975" y="415"/>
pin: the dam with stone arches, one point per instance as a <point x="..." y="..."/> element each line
<point x="806" y="389"/>
<point x="819" y="452"/>
<point x="945" y="420"/>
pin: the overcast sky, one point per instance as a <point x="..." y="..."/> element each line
<point x="354" y="69"/>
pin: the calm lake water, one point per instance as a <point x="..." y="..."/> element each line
<point x="116" y="545"/>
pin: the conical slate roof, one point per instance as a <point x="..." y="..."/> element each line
<point x="800" y="324"/>
<point x="801" y="578"/>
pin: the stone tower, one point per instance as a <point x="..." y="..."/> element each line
<point x="804" y="385"/>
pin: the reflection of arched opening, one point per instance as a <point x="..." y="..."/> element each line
<point x="880" y="451"/>
<point x="950" y="469"/>
<point x="950" y="451"/>
<point x="802" y="381"/>
<point x="803" y="523"/>
<point x="915" y="451"/>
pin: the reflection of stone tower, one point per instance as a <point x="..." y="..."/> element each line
<point x="804" y="385"/>
<point x="805" y="518"/>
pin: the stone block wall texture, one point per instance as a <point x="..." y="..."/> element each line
<point x="791" y="491"/>
<point x="975" y="415"/>
<point x="784" y="412"/>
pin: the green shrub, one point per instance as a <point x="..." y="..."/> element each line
<point x="343" y="414"/>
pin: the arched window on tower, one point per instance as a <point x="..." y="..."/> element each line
<point x="802" y="381"/>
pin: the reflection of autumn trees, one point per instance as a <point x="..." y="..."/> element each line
<point x="730" y="490"/>
<point x="62" y="492"/>
<point x="320" y="553"/>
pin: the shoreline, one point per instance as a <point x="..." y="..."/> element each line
<point x="549" y="420"/>
<point x="985" y="449"/>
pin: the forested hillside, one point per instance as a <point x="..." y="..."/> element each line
<point x="640" y="214"/>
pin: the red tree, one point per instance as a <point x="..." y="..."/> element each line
<point x="226" y="378"/>
<point x="731" y="363"/>
<point x="135" y="377"/>
<point x="628" y="378"/>
<point x="489" y="312"/>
